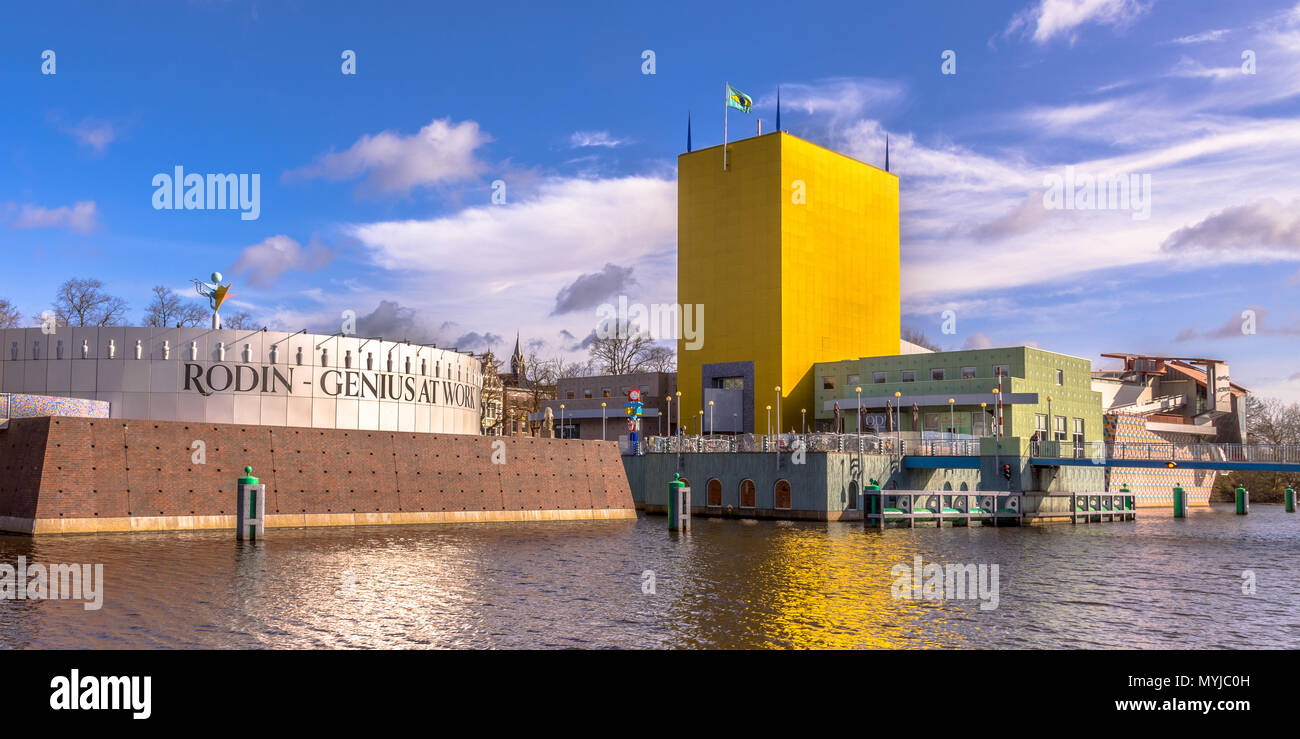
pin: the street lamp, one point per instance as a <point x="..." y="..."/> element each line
<point x="952" y="424"/>
<point x="710" y="418"/>
<point x="858" y="425"/>
<point x="898" y="420"/>
<point x="778" y="409"/>
<point x="561" y="420"/>
<point x="670" y="413"/>
<point x="679" y="413"/>
<point x="803" y="415"/>
<point x="699" y="426"/>
<point x="602" y="420"/>
<point x="769" y="421"/>
<point x="984" y="419"/>
<point x="997" y="416"/>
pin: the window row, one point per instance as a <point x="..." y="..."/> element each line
<point x="748" y="494"/>
<point x="936" y="375"/>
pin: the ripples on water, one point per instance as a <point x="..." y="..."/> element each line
<point x="1159" y="582"/>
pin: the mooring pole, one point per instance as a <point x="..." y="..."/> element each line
<point x="1243" y="501"/>
<point x="1290" y="500"/>
<point x="1180" y="502"/>
<point x="250" y="507"/>
<point x="679" y="504"/>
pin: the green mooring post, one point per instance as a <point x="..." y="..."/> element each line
<point x="1290" y="500"/>
<point x="871" y="503"/>
<point x="1243" y="501"/>
<point x="1180" y="502"/>
<point x="250" y="507"/>
<point x="679" y="504"/>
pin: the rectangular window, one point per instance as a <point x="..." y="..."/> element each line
<point x="569" y="395"/>
<point x="936" y="374"/>
<point x="1040" y="423"/>
<point x="586" y="393"/>
<point x="909" y="375"/>
<point x="968" y="373"/>
<point x="605" y="392"/>
<point x="1002" y="369"/>
<point x="828" y="382"/>
<point x="878" y="377"/>
<point x="932" y="422"/>
<point x="855" y="380"/>
<point x="729" y="383"/>
<point x="1060" y="377"/>
<point x="645" y="391"/>
<point x="1058" y="428"/>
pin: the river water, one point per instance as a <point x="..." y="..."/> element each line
<point x="1156" y="582"/>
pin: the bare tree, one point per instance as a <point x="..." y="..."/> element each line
<point x="84" y="303"/>
<point x="9" y="315"/>
<point x="660" y="359"/>
<point x="169" y="309"/>
<point x="920" y="339"/>
<point x="620" y="348"/>
<point x="239" y="320"/>
<point x="1268" y="421"/>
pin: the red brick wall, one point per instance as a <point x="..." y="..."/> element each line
<point x="85" y="468"/>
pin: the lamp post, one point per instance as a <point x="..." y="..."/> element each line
<point x="858" y="425"/>
<point x="699" y="425"/>
<point x="803" y="423"/>
<point x="984" y="419"/>
<point x="997" y="421"/>
<point x="602" y="420"/>
<point x="679" y="413"/>
<point x="778" y="409"/>
<point x="561" y="420"/>
<point x="952" y="423"/>
<point x="710" y="418"/>
<point x="670" y="414"/>
<point x="898" y="421"/>
<point x="769" y="421"/>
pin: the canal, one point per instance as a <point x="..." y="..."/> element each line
<point x="1156" y="582"/>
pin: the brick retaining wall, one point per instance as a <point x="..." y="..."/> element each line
<point x="72" y="475"/>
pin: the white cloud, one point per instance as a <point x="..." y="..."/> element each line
<point x="95" y="134"/>
<point x="1203" y="37"/>
<point x="1051" y="18"/>
<point x="581" y="139"/>
<point x="266" y="260"/>
<point x="441" y="152"/>
<point x="80" y="216"/>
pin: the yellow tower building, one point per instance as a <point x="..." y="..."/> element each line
<point x="793" y="254"/>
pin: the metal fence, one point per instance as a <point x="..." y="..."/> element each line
<point x="882" y="445"/>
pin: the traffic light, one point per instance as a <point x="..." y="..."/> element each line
<point x="1006" y="471"/>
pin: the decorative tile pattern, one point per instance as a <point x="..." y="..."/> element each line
<point x="1155" y="487"/>
<point x="17" y="405"/>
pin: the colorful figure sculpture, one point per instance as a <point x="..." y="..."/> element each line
<point x="634" y="409"/>
<point x="216" y="293"/>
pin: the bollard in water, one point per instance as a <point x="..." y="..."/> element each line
<point x="679" y="504"/>
<point x="1180" y="502"/>
<point x="1243" y="501"/>
<point x="871" y="504"/>
<point x="1290" y="500"/>
<point x="250" y="505"/>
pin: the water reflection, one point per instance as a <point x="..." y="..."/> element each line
<point x="1160" y="582"/>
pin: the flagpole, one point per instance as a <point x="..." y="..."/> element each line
<point x="726" y="96"/>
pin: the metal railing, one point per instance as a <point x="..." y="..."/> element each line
<point x="881" y="445"/>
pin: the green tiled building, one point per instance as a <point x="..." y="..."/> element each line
<point x="1042" y="392"/>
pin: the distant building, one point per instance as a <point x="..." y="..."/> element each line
<point x="1045" y="395"/>
<point x="582" y="413"/>
<point x="510" y="397"/>
<point x="1157" y="403"/>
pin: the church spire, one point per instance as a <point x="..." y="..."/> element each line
<point x="517" y="365"/>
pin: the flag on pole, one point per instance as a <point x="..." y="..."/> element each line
<point x="738" y="100"/>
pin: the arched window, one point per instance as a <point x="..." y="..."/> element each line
<point x="714" y="493"/>
<point x="947" y="486"/>
<point x="782" y="494"/>
<point x="747" y="494"/>
<point x="964" y="487"/>
<point x="853" y="494"/>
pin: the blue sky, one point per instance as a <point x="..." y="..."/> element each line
<point x="376" y="187"/>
